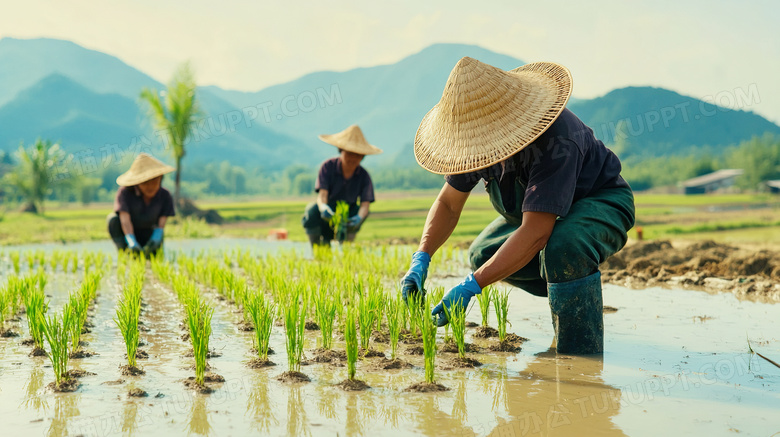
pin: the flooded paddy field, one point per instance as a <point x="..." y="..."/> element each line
<point x="676" y="362"/>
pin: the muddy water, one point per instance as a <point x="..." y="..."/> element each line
<point x="676" y="363"/>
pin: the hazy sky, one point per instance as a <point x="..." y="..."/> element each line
<point x="697" y="48"/>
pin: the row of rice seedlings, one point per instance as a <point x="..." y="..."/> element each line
<point x="395" y="314"/>
<point x="15" y="260"/>
<point x="79" y="304"/>
<point x="128" y="313"/>
<point x="261" y="313"/>
<point x="199" y="315"/>
<point x="484" y="300"/>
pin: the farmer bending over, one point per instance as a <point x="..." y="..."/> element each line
<point x="563" y="206"/>
<point x="141" y="207"/>
<point x="341" y="179"/>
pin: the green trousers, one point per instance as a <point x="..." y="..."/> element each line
<point x="595" y="228"/>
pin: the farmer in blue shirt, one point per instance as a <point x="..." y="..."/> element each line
<point x="563" y="206"/>
<point x="341" y="179"/>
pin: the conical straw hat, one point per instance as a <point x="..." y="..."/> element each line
<point x="351" y="139"/>
<point x="487" y="114"/>
<point x="144" y="168"/>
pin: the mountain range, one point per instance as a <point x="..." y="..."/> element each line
<point x="86" y="99"/>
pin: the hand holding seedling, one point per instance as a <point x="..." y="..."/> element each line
<point x="132" y="243"/>
<point x="412" y="283"/>
<point x="155" y="241"/>
<point x="354" y="221"/>
<point x="461" y="293"/>
<point x="326" y="212"/>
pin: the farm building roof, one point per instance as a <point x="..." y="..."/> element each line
<point x="713" y="177"/>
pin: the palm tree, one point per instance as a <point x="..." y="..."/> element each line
<point x="175" y="113"/>
<point x="36" y="174"/>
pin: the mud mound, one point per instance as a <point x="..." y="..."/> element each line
<point x="130" y="370"/>
<point x="514" y="338"/>
<point x="424" y="387"/>
<point x="460" y="363"/>
<point x="38" y="352"/>
<point x="200" y="388"/>
<point x="505" y="346"/>
<point x="370" y="353"/>
<point x="78" y="373"/>
<point x="245" y="326"/>
<point x="68" y="385"/>
<point x="311" y="326"/>
<point x="386" y="364"/>
<point x="137" y="393"/>
<point x="257" y="363"/>
<point x="415" y="350"/>
<point x="380" y="337"/>
<point x="609" y="310"/>
<point x="8" y="333"/>
<point x="82" y="353"/>
<point x="452" y="347"/>
<point x="486" y="332"/>
<point x="116" y="382"/>
<point x="28" y="342"/>
<point x="353" y="385"/>
<point x="705" y="264"/>
<point x="328" y="355"/>
<point x="293" y="377"/>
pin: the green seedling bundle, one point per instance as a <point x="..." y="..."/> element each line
<point x="325" y="308"/>
<point x="128" y="311"/>
<point x="428" y="328"/>
<point x="36" y="307"/>
<point x="350" y="336"/>
<point x="339" y="220"/>
<point x="501" y="304"/>
<point x="395" y="314"/>
<point x="16" y="260"/>
<point x="484" y="300"/>
<point x="294" y="323"/>
<point x="199" y="315"/>
<point x="261" y="313"/>
<point x="55" y="328"/>
<point x="456" y="315"/>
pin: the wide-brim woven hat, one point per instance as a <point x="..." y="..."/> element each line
<point x="351" y="139"/>
<point x="144" y="168"/>
<point x="487" y="114"/>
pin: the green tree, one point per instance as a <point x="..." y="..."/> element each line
<point x="175" y="113"/>
<point x="759" y="157"/>
<point x="37" y="173"/>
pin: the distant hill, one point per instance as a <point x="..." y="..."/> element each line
<point x="387" y="101"/>
<point x="658" y="122"/>
<point x="60" y="91"/>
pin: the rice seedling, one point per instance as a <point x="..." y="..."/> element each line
<point x="395" y="315"/>
<point x="56" y="332"/>
<point x="428" y="327"/>
<point x="339" y="220"/>
<point x="350" y="336"/>
<point x="261" y="313"/>
<point x="456" y="315"/>
<point x="128" y="313"/>
<point x="294" y="322"/>
<point x="15" y="260"/>
<point x="30" y="257"/>
<point x="366" y="316"/>
<point x="40" y="258"/>
<point x="501" y="305"/>
<point x="77" y="306"/>
<point x="5" y="304"/>
<point x="325" y="309"/>
<point x="36" y="308"/>
<point x="199" y="315"/>
<point x="74" y="261"/>
<point x="484" y="300"/>
<point x="54" y="260"/>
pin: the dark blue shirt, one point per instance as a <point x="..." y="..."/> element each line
<point x="565" y="164"/>
<point x="331" y="178"/>
<point x="143" y="215"/>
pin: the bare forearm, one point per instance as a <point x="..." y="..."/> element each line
<point x="162" y="221"/>
<point x="127" y="224"/>
<point x="363" y="211"/>
<point x="442" y="219"/>
<point x="518" y="250"/>
<point x="322" y="198"/>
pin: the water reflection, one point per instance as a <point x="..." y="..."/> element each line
<point x="326" y="404"/>
<point x="33" y="396"/>
<point x="64" y="409"/>
<point x="130" y="418"/>
<point x="199" y="418"/>
<point x="354" y="424"/>
<point x="558" y="396"/>
<point x="459" y="406"/>
<point x="260" y="407"/>
<point x="297" y="424"/>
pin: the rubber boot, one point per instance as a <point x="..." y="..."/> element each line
<point x="577" y="309"/>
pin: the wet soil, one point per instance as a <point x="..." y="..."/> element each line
<point x="257" y="363"/>
<point x="609" y="310"/>
<point x="328" y="355"/>
<point x="137" y="393"/>
<point x="8" y="333"/>
<point x="407" y="337"/>
<point x="452" y="347"/>
<point x="78" y="373"/>
<point x="82" y="353"/>
<point x="141" y="354"/>
<point x="115" y="382"/>
<point x="353" y="385"/>
<point x="28" y="342"/>
<point x="380" y="337"/>
<point x="130" y="370"/>
<point x="245" y="326"/>
<point x="293" y="377"/>
<point x="65" y="386"/>
<point x="514" y="338"/>
<point x="505" y="346"/>
<point x="703" y="264"/>
<point x="311" y="326"/>
<point x="38" y="352"/>
<point x="486" y="332"/>
<point x="415" y="350"/>
<point x="388" y="364"/>
<point x="471" y="324"/>
<point x="460" y="363"/>
<point x="212" y="353"/>
<point x="370" y="353"/>
<point x="424" y="387"/>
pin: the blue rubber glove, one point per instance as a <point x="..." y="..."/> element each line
<point x="354" y="221"/>
<point x="462" y="292"/>
<point x="132" y="243"/>
<point x="157" y="235"/>
<point x="326" y="212"/>
<point x="412" y="283"/>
